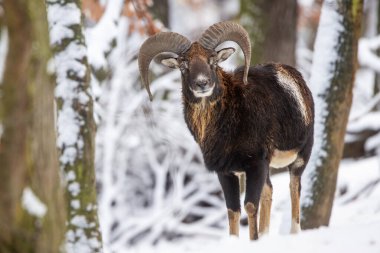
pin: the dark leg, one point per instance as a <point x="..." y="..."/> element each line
<point x="231" y="190"/>
<point x="265" y="206"/>
<point x="254" y="184"/>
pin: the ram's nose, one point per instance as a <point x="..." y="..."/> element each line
<point x="203" y="83"/>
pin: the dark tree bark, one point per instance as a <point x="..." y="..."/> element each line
<point x="335" y="76"/>
<point x="377" y="77"/>
<point x="272" y="26"/>
<point x="28" y="155"/>
<point x="160" y="11"/>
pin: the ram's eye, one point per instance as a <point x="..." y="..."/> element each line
<point x="183" y="66"/>
<point x="213" y="61"/>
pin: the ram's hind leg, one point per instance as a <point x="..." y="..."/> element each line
<point x="296" y="169"/>
<point x="255" y="179"/>
<point x="295" y="189"/>
<point x="231" y="190"/>
<point x="265" y="206"/>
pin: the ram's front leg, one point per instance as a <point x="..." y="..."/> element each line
<point x="231" y="190"/>
<point x="255" y="179"/>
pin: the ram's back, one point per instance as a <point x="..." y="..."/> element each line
<point x="277" y="104"/>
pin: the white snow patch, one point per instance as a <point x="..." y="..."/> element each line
<point x="78" y="242"/>
<point x="70" y="176"/>
<point x="61" y="17"/>
<point x="367" y="53"/>
<point x="3" y="51"/>
<point x="74" y="188"/>
<point x="68" y="63"/>
<point x="75" y="204"/>
<point x="90" y="207"/>
<point x="373" y="142"/>
<point x="306" y="3"/>
<point x="370" y="121"/>
<point x="32" y="204"/>
<point x="103" y="33"/>
<point x="79" y="221"/>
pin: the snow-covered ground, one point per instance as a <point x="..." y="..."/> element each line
<point x="354" y="226"/>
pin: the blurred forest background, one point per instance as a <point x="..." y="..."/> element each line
<point x="72" y="107"/>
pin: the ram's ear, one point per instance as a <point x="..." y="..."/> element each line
<point x="170" y="62"/>
<point x="224" y="53"/>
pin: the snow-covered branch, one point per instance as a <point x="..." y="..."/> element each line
<point x="367" y="55"/>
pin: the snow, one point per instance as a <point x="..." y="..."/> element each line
<point x="324" y="60"/>
<point x="68" y="63"/>
<point x="69" y="68"/>
<point x="205" y="13"/>
<point x="75" y="204"/>
<point x="306" y="3"/>
<point x="74" y="188"/>
<point x="103" y="33"/>
<point x="32" y="204"/>
<point x="61" y="17"/>
<point x="3" y="51"/>
<point x="367" y="56"/>
<point x="344" y="239"/>
<point x="373" y="142"/>
<point x="70" y="176"/>
<point x="78" y="242"/>
<point x="79" y="221"/>
<point x="354" y="225"/>
<point x="370" y="121"/>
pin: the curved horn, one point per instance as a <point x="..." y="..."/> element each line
<point x="225" y="31"/>
<point x="161" y="42"/>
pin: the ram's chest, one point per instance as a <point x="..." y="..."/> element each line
<point x="201" y="117"/>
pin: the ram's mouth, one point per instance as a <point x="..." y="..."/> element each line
<point x="203" y="92"/>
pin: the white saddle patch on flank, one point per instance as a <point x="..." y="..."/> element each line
<point x="290" y="84"/>
<point x="281" y="159"/>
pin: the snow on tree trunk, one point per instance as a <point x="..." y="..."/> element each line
<point x="102" y="40"/>
<point x="331" y="81"/>
<point x="31" y="196"/>
<point x="75" y="123"/>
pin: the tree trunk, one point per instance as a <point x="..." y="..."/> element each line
<point x="31" y="198"/>
<point x="76" y="127"/>
<point x="160" y="11"/>
<point x="333" y="73"/>
<point x="272" y="26"/>
<point x="377" y="75"/>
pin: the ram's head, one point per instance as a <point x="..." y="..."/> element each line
<point x="197" y="61"/>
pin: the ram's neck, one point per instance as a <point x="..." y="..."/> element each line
<point x="202" y="113"/>
<point x="200" y="117"/>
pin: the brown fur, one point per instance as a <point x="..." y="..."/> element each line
<point x="295" y="199"/>
<point x="251" y="210"/>
<point x="202" y="117"/>
<point x="234" y="220"/>
<point x="265" y="208"/>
